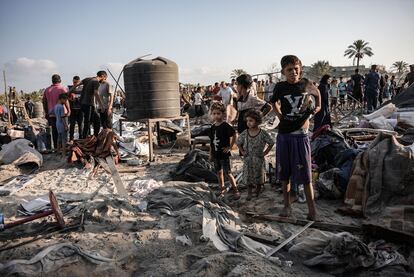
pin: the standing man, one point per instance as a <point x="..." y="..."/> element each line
<point x="357" y="80"/>
<point x="410" y="77"/>
<point x="225" y="93"/>
<point x="76" y="116"/>
<point x="105" y="111"/>
<point x="372" y="88"/>
<point x="90" y="94"/>
<point x="50" y="99"/>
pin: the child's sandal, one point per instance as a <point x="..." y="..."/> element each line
<point x="221" y="193"/>
<point x="236" y="195"/>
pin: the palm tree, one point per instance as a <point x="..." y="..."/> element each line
<point x="357" y="50"/>
<point x="320" y="68"/>
<point x="237" y="72"/>
<point x="400" y="66"/>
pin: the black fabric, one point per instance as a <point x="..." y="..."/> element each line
<point x="203" y="130"/>
<point x="76" y="117"/>
<point x="291" y="97"/>
<point x="323" y="117"/>
<point x="241" y="123"/>
<point x="220" y="137"/>
<point x="90" y="85"/>
<point x="404" y="99"/>
<point x="52" y="123"/>
<point x="195" y="167"/>
<point x="90" y="116"/>
<point x="106" y="120"/>
<point x="74" y="98"/>
<point x="326" y="147"/>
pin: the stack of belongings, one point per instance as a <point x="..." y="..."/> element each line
<point x="333" y="157"/>
<point x="381" y="186"/>
<point x="396" y="115"/>
<point x="85" y="150"/>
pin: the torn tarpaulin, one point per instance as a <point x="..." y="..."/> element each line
<point x="195" y="167"/>
<point x="20" y="152"/>
<point x="50" y="260"/>
<point x="196" y="203"/>
<point x="344" y="253"/>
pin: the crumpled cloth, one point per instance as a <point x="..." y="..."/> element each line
<point x="50" y="260"/>
<point x="344" y="252"/>
<point x="19" y="152"/>
<point x="97" y="147"/>
<point x="217" y="219"/>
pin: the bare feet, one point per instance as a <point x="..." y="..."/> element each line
<point x="286" y="212"/>
<point x="311" y="217"/>
<point x="236" y="195"/>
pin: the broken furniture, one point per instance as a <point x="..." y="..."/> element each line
<point x="55" y="210"/>
<point x="203" y="140"/>
<point x="155" y="121"/>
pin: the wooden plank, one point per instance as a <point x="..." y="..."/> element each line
<point x="263" y="239"/>
<point x="115" y="176"/>
<point x="150" y="135"/>
<point x="318" y="225"/>
<point x="280" y="246"/>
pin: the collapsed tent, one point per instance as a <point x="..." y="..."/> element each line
<point x="50" y="259"/>
<point x="404" y="99"/>
<point x="382" y="179"/>
<point x="195" y="167"/>
<point x="198" y="207"/>
<point x="344" y="253"/>
<point x="20" y="152"/>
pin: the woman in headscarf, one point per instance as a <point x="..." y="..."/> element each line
<point x="247" y="101"/>
<point x="323" y="117"/>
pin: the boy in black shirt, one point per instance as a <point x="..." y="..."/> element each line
<point x="222" y="139"/>
<point x="290" y="102"/>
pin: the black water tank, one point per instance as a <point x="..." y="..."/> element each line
<point x="151" y="89"/>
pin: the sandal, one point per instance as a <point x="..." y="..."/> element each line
<point x="236" y="195"/>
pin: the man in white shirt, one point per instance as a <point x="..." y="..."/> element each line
<point x="269" y="90"/>
<point x="226" y="94"/>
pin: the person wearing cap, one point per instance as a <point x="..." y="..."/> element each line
<point x="410" y="76"/>
<point x="50" y="99"/>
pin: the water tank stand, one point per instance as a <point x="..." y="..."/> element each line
<point x="155" y="121"/>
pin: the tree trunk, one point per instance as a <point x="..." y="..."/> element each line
<point x="357" y="62"/>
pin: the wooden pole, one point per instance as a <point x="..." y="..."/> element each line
<point x="5" y="85"/>
<point x="8" y="101"/>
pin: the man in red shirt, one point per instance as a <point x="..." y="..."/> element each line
<point x="50" y="99"/>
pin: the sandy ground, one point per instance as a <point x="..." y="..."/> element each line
<point x="144" y="244"/>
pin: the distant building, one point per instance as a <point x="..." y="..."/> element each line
<point x="337" y="71"/>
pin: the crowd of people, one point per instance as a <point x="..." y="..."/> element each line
<point x="237" y="109"/>
<point x="85" y="103"/>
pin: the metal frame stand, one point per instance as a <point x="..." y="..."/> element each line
<point x="150" y="123"/>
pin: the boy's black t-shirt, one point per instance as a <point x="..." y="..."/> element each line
<point x="88" y="92"/>
<point x="220" y="137"/>
<point x="291" y="97"/>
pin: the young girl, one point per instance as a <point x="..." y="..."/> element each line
<point x="252" y="144"/>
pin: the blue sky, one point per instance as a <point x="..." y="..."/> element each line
<point x="207" y="39"/>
